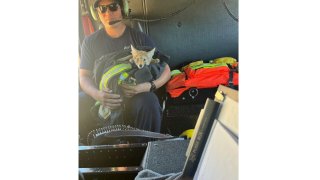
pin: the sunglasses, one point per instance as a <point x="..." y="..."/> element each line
<point x="112" y="7"/>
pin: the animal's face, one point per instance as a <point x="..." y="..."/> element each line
<point x="141" y="58"/>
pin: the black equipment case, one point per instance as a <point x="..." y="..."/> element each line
<point x="181" y="113"/>
<point x="111" y="161"/>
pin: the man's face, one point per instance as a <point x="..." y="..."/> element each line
<point x="111" y="14"/>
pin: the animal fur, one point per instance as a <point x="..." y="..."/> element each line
<point x="142" y="58"/>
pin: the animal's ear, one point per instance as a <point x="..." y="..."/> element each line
<point x="133" y="50"/>
<point x="151" y="52"/>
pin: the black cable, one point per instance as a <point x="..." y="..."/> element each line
<point x="229" y="12"/>
<point x="162" y="18"/>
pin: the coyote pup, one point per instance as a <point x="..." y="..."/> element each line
<point x="142" y="58"/>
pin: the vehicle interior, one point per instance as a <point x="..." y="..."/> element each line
<point x="187" y="31"/>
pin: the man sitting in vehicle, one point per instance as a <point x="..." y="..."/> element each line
<point x="142" y="107"/>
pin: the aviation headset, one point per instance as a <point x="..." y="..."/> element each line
<point x="95" y="3"/>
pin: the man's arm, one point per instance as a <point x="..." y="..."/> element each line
<point x="87" y="84"/>
<point x="165" y="76"/>
<point x="130" y="91"/>
<point x="106" y="97"/>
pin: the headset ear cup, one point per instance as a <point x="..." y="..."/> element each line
<point x="125" y="8"/>
<point x="93" y="11"/>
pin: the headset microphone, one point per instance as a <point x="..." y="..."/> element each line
<point x="114" y="22"/>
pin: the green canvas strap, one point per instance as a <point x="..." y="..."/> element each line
<point x="115" y="70"/>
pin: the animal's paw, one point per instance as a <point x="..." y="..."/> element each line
<point x="133" y="81"/>
<point x="155" y="60"/>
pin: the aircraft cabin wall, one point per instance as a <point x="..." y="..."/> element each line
<point x="203" y="29"/>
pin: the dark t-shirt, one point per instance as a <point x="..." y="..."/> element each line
<point x="100" y="43"/>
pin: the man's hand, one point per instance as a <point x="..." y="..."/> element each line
<point x="109" y="100"/>
<point x="106" y="98"/>
<point x="131" y="90"/>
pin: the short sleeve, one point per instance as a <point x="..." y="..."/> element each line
<point x="87" y="56"/>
